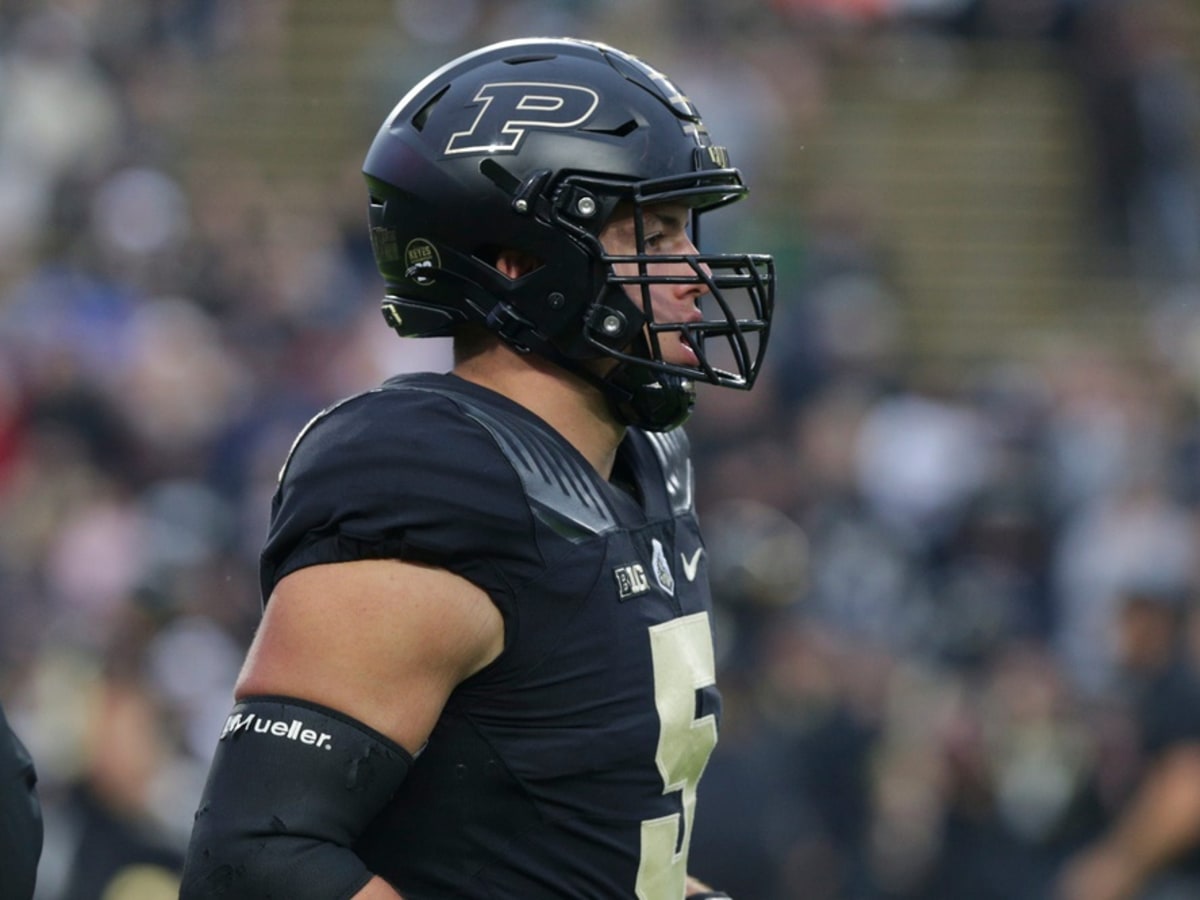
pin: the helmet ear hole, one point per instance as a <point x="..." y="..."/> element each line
<point x="514" y="264"/>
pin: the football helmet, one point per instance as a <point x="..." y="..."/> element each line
<point x="530" y="146"/>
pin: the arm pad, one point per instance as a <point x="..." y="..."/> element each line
<point x="291" y="787"/>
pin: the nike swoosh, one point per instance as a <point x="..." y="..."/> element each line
<point x="691" y="566"/>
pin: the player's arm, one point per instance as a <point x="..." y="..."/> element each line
<point x="1161" y="822"/>
<point x="362" y="656"/>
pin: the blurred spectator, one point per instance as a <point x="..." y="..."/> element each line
<point x="1141" y="96"/>
<point x="1012" y="19"/>
<point x="1021" y="780"/>
<point x="920" y="457"/>
<point x="1137" y="533"/>
<point x="843" y="321"/>
<point x="114" y="843"/>
<point x="1152" y="848"/>
<point x="58" y="116"/>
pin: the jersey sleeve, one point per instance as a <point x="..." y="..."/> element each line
<point x="396" y="474"/>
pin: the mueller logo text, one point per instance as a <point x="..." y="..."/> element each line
<point x="509" y="109"/>
<point x="294" y="730"/>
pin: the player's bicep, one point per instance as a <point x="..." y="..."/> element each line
<point x="382" y="641"/>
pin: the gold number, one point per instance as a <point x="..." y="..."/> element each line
<point x="682" y="654"/>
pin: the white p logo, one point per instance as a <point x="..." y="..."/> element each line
<point x="511" y="108"/>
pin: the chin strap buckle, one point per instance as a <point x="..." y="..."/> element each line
<point x="510" y="325"/>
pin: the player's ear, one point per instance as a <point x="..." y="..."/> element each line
<point x="515" y="263"/>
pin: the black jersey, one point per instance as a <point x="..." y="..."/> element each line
<point x="568" y="767"/>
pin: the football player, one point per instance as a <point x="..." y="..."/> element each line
<point x="485" y="665"/>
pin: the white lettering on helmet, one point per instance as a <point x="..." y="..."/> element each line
<point x="510" y="108"/>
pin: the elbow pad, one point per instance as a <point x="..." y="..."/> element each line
<point x="291" y="787"/>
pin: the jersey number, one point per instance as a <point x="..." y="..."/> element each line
<point x="682" y="654"/>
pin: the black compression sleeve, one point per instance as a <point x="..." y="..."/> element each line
<point x="291" y="786"/>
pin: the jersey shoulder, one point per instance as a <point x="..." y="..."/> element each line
<point x="391" y="473"/>
<point x="429" y="468"/>
<point x="561" y="487"/>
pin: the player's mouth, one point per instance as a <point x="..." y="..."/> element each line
<point x="688" y="353"/>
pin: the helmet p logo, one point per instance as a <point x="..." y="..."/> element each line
<point x="510" y="108"/>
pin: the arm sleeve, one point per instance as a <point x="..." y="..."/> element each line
<point x="20" y="815"/>
<point x="291" y="786"/>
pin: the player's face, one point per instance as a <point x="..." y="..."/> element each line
<point x="665" y="230"/>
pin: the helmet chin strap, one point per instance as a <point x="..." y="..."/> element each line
<point x="655" y="401"/>
<point x="639" y="396"/>
<point x="645" y="397"/>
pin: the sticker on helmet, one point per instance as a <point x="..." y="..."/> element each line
<point x="383" y="240"/>
<point x="511" y="108"/>
<point x="420" y="254"/>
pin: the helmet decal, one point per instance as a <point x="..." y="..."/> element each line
<point x="510" y="109"/>
<point x="420" y="254"/>
<point x="383" y="244"/>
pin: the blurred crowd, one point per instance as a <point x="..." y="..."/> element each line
<point x="957" y="604"/>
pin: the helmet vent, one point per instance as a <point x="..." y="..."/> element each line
<point x="626" y="128"/>
<point x="529" y="58"/>
<point x="422" y="115"/>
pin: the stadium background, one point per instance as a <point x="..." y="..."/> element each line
<point x="979" y="433"/>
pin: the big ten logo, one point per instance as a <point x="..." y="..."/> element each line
<point x="631" y="580"/>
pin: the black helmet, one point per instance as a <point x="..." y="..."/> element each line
<point x="530" y="145"/>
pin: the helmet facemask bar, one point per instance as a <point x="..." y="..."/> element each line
<point x="738" y="285"/>
<point x="738" y="288"/>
